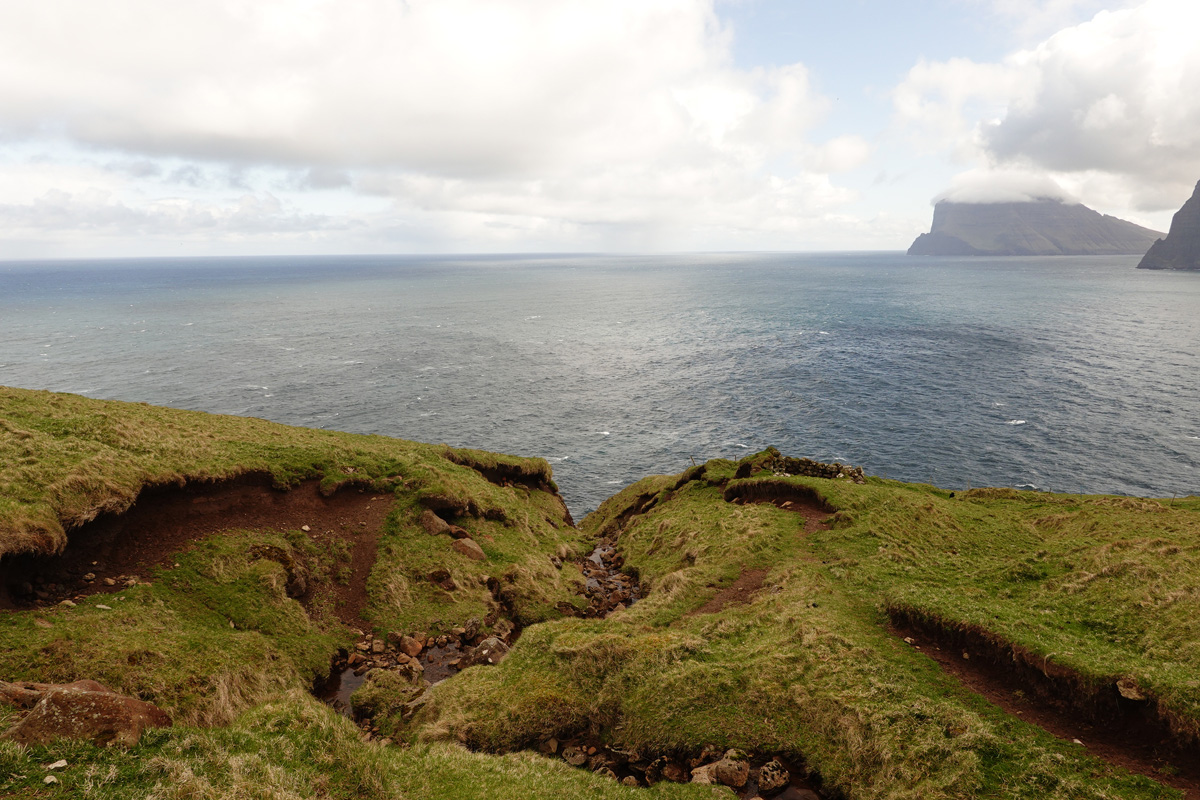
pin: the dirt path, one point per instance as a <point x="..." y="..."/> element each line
<point x="166" y="520"/>
<point x="1129" y="740"/>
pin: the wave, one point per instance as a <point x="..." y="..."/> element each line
<point x="1015" y="422"/>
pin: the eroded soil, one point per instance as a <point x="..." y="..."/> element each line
<point x="165" y="520"/>
<point x="1122" y="732"/>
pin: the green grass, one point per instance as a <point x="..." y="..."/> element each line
<point x="808" y="668"/>
<point x="1108" y="587"/>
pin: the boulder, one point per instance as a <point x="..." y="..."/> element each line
<point x="100" y="716"/>
<point x="490" y="651"/>
<point x="27" y="695"/>
<point x="732" y="771"/>
<point x="772" y="777"/>
<point x="469" y="548"/>
<point x="433" y="524"/>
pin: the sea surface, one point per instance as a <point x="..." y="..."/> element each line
<point x="1069" y="374"/>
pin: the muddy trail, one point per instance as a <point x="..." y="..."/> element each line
<point x="119" y="550"/>
<point x="1116" y="724"/>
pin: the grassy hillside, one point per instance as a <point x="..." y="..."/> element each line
<point x="774" y="621"/>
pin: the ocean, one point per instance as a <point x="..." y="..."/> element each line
<point x="1075" y="374"/>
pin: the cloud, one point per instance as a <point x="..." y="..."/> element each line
<point x="1003" y="186"/>
<point x="565" y="116"/>
<point x="1108" y="104"/>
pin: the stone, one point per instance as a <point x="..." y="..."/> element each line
<point x="109" y="582"/>
<point x="433" y="524"/>
<point x="794" y="793"/>
<point x="471" y="628"/>
<point x="575" y="756"/>
<point x="469" y="548"/>
<point x="772" y="776"/>
<point x="102" y="717"/>
<point x="1129" y="689"/>
<point x="607" y="773"/>
<point x="674" y="772"/>
<point x="49" y="779"/>
<point x="377" y="646"/>
<point x="629" y="780"/>
<point x="89" y="577"/>
<point x="60" y="764"/>
<point x="704" y="775"/>
<point x="550" y="746"/>
<point x="490" y="651"/>
<point x="410" y="646"/>
<point x="731" y="772"/>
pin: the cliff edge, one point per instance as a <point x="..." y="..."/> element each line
<point x="1043" y="227"/>
<point x="1181" y="248"/>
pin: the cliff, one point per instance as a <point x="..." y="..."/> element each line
<point x="1181" y="248"/>
<point x="1040" y="228"/>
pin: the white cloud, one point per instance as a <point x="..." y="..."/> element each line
<point x="1003" y="186"/>
<point x="474" y="116"/>
<point x="1107" y="107"/>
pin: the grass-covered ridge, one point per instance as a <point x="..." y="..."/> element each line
<point x="802" y="662"/>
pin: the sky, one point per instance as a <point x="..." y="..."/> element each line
<point x="243" y="127"/>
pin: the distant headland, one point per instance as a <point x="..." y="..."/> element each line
<point x="1037" y="227"/>
<point x="1181" y="248"/>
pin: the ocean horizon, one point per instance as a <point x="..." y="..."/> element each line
<point x="1055" y="373"/>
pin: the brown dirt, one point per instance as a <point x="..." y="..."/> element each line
<point x="167" y="519"/>
<point x="787" y="496"/>
<point x="1121" y="732"/>
<point x="738" y="593"/>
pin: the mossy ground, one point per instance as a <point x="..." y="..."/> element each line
<point x="1108" y="587"/>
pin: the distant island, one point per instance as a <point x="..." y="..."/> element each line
<point x="1181" y="248"/>
<point x="1041" y="227"/>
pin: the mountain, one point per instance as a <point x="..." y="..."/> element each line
<point x="1042" y="227"/>
<point x="1181" y="248"/>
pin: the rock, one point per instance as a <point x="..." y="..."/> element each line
<point x="1129" y="689"/>
<point x="469" y="548"/>
<point x="629" y="780"/>
<point x="471" y="628"/>
<point x="575" y="756"/>
<point x="433" y="524"/>
<point x="793" y="793"/>
<point x="410" y="646"/>
<point x="89" y="577"/>
<point x="490" y="651"/>
<point x="60" y="764"/>
<point x="377" y="646"/>
<point x="772" y="777"/>
<point x="704" y="775"/>
<point x="549" y="747"/>
<point x="607" y="773"/>
<point x="674" y="772"/>
<point x="102" y="717"/>
<point x="413" y="706"/>
<point x="109" y="582"/>
<point x="1181" y="247"/>
<point x="49" y="780"/>
<point x="708" y="754"/>
<point x="732" y="771"/>
<point x="27" y="694"/>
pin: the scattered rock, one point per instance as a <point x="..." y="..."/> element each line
<point x="433" y="524"/>
<point x="410" y="646"/>
<point x="574" y="756"/>
<point x="772" y="776"/>
<point x="490" y="651"/>
<point x="49" y="779"/>
<point x="1129" y="689"/>
<point x="704" y="775"/>
<point x="469" y="548"/>
<point x="732" y="770"/>
<point x="60" y="764"/>
<point x="101" y="716"/>
<point x="629" y="780"/>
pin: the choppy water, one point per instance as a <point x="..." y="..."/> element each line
<point x="1074" y="374"/>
